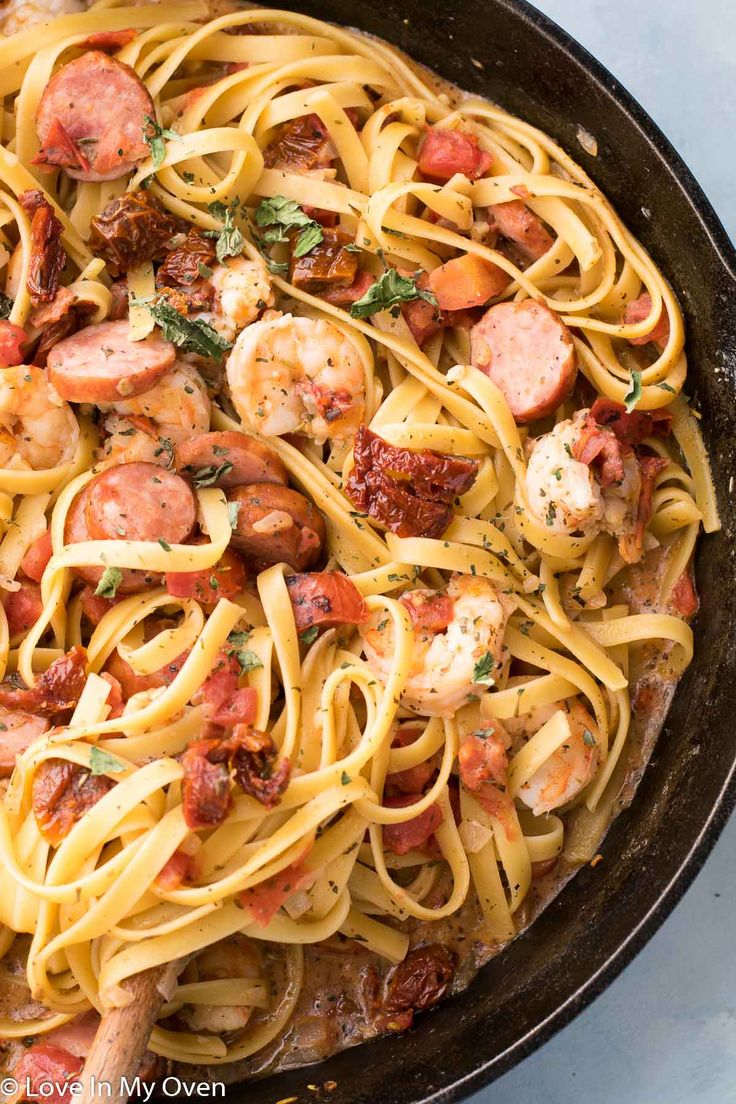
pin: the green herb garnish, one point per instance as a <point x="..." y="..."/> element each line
<point x="388" y="292"/>
<point x="631" y="398"/>
<point x="111" y="579"/>
<point x="102" y="763"/>
<point x="280" y="214"/>
<point x="154" y="135"/>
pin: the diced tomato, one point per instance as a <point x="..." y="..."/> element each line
<point x="467" y="282"/>
<point x="240" y="708"/>
<point x="226" y="579"/>
<point x="430" y="613"/>
<point x="413" y="779"/>
<point x="515" y="222"/>
<point x="47" y="1065"/>
<point x="37" y="557"/>
<point x="411" y="834"/>
<point x="12" y="339"/>
<point x="94" y="607"/>
<point x="265" y="900"/>
<point x="325" y="598"/>
<point x="176" y="870"/>
<point x="115" y="696"/>
<point x="446" y="152"/>
<point x="329" y="219"/>
<point x="685" y="596"/>
<point x="640" y="309"/>
<point x="22" y="607"/>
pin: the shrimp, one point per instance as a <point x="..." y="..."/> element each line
<point x="231" y="958"/>
<point x="570" y="768"/>
<point x="457" y="645"/>
<point x="38" y="429"/>
<point x="175" y="409"/>
<point x="564" y="494"/>
<point x="243" y="290"/>
<point x="289" y="374"/>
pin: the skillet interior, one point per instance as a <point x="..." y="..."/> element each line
<point x="654" y="849"/>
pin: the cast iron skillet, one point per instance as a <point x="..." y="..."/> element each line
<point x="652" y="853"/>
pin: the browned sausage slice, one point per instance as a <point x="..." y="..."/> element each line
<point x="229" y="459"/>
<point x="100" y="364"/>
<point x="17" y="732"/>
<point x="92" y="117"/>
<point x="528" y="353"/>
<point x="140" y="502"/>
<point x="76" y="531"/>
<point x="275" y="524"/>
<point x="515" y="222"/>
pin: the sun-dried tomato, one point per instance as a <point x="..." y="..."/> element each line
<point x="300" y="145"/>
<point x="259" y="771"/>
<point x="48" y="256"/>
<point x="252" y="757"/>
<point x="62" y="792"/>
<point x="132" y="228"/>
<point x="57" y="689"/>
<point x="183" y="265"/>
<point x="421" y="980"/>
<point x="410" y="491"/>
<point x="631" y="429"/>
<point x="327" y="264"/>
<point x="324" y="599"/>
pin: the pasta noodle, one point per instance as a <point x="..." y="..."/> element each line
<point x="255" y="767"/>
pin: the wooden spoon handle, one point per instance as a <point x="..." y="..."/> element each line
<point x="123" y="1035"/>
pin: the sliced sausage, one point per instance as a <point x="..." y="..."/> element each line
<point x="325" y="598"/>
<point x="100" y="364"/>
<point x="640" y="309"/>
<point x="17" y="732"/>
<point x="515" y="222"/>
<point x="528" y="353"/>
<point x="140" y="502"/>
<point x="37" y="556"/>
<point x="224" y="579"/>
<point x="92" y="117"/>
<point x="22" y="607"/>
<point x="229" y="459"/>
<point x="275" y="524"/>
<point x="76" y="531"/>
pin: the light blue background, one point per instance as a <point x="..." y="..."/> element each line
<point x="665" y="1032"/>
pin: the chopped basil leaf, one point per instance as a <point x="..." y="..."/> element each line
<point x="345" y="778"/>
<point x="164" y="544"/>
<point x="663" y="385"/>
<point x="153" y="136"/>
<point x="588" y="738"/>
<point x="631" y="398"/>
<point x="207" y="477"/>
<point x="248" y="660"/>
<point x="388" y="292"/>
<point x="102" y="763"/>
<point x="230" y="242"/>
<point x="482" y="670"/>
<point x="6" y="305"/>
<point x="111" y="579"/>
<point x="309" y="635"/>
<point x="280" y="214"/>
<point x="232" y="513"/>
<point x="192" y="335"/>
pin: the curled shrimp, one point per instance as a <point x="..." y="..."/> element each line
<point x="570" y="768"/>
<point x="38" y="429"/>
<point x="453" y="663"/>
<point x="564" y="494"/>
<point x="231" y="958"/>
<point x="289" y="374"/>
<point x="176" y="409"/>
<point x="243" y="289"/>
